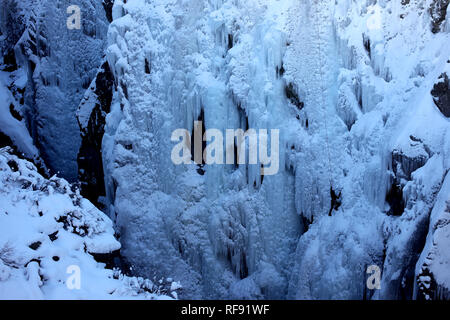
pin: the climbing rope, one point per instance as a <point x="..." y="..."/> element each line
<point x="335" y="198"/>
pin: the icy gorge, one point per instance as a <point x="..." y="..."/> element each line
<point x="358" y="89"/>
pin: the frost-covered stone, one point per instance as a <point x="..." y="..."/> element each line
<point x="433" y="280"/>
<point x="441" y="94"/>
<point x="46" y="227"/>
<point x="58" y="65"/>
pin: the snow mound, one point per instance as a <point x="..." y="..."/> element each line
<point x="48" y="233"/>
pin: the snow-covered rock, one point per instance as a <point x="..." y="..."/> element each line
<point x="433" y="278"/>
<point x="58" y="65"/>
<point x="48" y="232"/>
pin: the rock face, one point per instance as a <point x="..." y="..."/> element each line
<point x="59" y="65"/>
<point x="438" y="12"/>
<point x="403" y="165"/>
<point x="108" y="5"/>
<point x="441" y="94"/>
<point x="91" y="117"/>
<point x="433" y="280"/>
<point x="363" y="175"/>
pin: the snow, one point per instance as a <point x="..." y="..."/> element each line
<point x="347" y="83"/>
<point x="435" y="256"/>
<point x="46" y="228"/>
<point x="57" y="65"/>
<point x="11" y="126"/>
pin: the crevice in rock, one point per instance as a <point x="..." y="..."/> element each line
<point x="306" y="222"/>
<point x="148" y="68"/>
<point x="198" y="133"/>
<point x="230" y="41"/>
<point x="108" y="5"/>
<point x="395" y="200"/>
<point x="366" y="41"/>
<point x="292" y="94"/>
<point x="90" y="163"/>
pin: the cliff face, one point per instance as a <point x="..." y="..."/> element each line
<point x="348" y="83"/>
<point x="58" y="66"/>
<point x="357" y="89"/>
<point x="91" y="117"/>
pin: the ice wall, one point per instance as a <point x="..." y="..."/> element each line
<point x="228" y="231"/>
<point x="383" y="97"/>
<point x="347" y="83"/>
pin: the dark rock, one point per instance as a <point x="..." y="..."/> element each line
<point x="113" y="260"/>
<point x="148" y="68"/>
<point x="280" y="71"/>
<point x="13" y="165"/>
<point x="15" y="113"/>
<point x="9" y="62"/>
<point x="64" y="220"/>
<point x="292" y="95"/>
<point x="38" y="261"/>
<point x="108" y="5"/>
<point x="5" y="141"/>
<point x="366" y="42"/>
<point x="90" y="163"/>
<point x="306" y="223"/>
<point x="35" y="245"/>
<point x="230" y="41"/>
<point x="395" y="199"/>
<point x="441" y="95"/>
<point x="438" y="11"/>
<point x="403" y="165"/>
<point x="426" y="285"/>
<point x="53" y="236"/>
<point x="402" y="168"/>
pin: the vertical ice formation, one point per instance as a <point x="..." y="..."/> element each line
<point x="383" y="97"/>
<point x="363" y="147"/>
<point x="229" y="231"/>
<point x="58" y="65"/>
